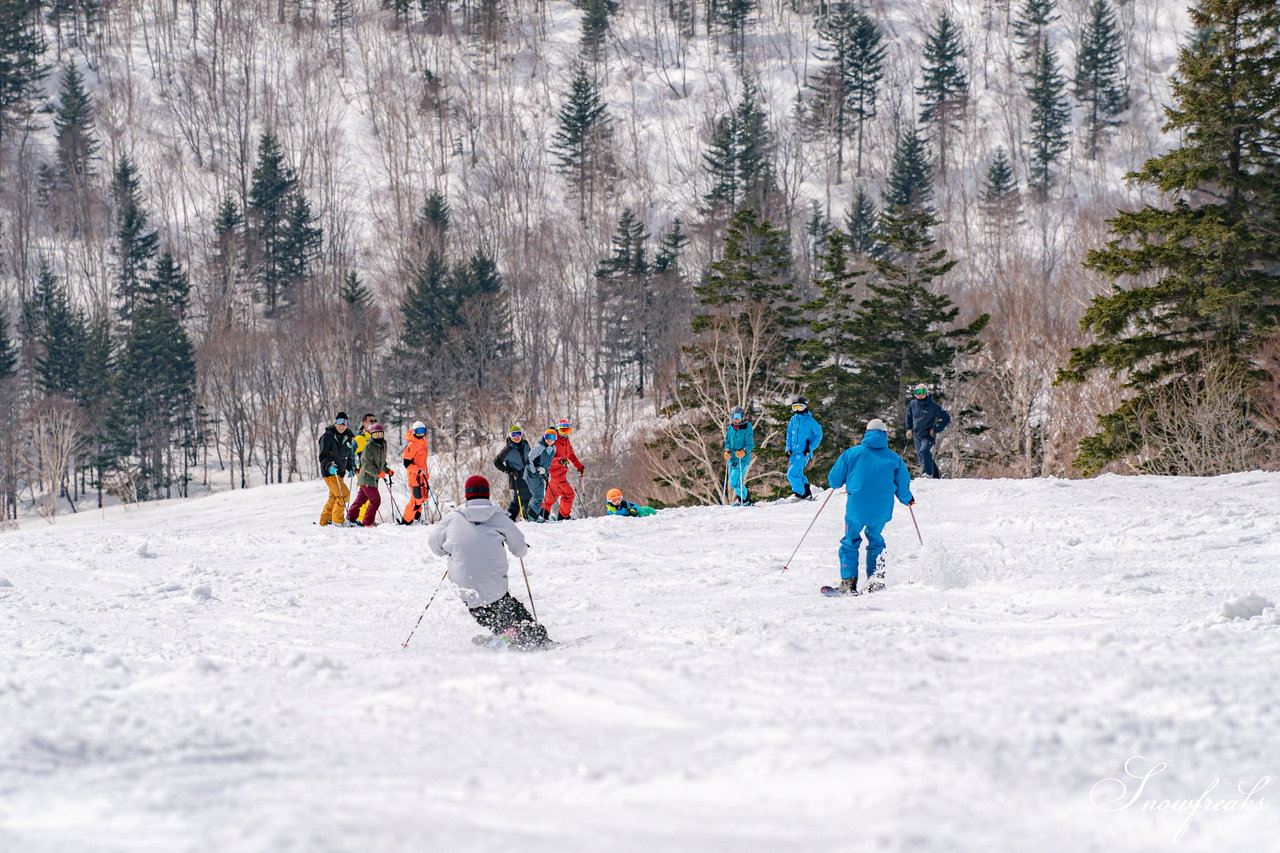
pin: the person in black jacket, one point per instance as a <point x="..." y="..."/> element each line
<point x="925" y="420"/>
<point x="337" y="460"/>
<point x="513" y="461"/>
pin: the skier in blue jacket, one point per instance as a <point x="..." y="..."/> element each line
<point x="925" y="420"/>
<point x="873" y="474"/>
<point x="804" y="434"/>
<point x="739" y="442"/>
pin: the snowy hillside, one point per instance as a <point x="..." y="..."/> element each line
<point x="220" y="675"/>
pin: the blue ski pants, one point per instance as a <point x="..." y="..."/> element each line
<point x="854" y="530"/>
<point x="795" y="472"/>
<point x="738" y="475"/>
<point x="924" y="452"/>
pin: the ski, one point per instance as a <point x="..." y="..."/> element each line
<point x="834" y="591"/>
<point x="493" y="641"/>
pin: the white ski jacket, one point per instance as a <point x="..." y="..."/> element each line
<point x="471" y="536"/>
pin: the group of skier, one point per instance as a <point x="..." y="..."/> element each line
<point x="474" y="535"/>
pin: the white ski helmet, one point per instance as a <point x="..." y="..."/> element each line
<point x="417" y="425"/>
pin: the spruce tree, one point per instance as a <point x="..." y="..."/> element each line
<point x="1100" y="84"/>
<point x="353" y="291"/>
<point x="623" y="295"/>
<point x="910" y="184"/>
<point x="73" y="128"/>
<point x="280" y="226"/>
<point x="738" y="161"/>
<point x="860" y="227"/>
<point x="1030" y="27"/>
<point x="484" y="339"/>
<point x="60" y="329"/>
<point x="8" y="350"/>
<point x="581" y="144"/>
<point x="1201" y="275"/>
<point x="1000" y="192"/>
<point x="432" y="225"/>
<point x="863" y="73"/>
<point x="135" y="245"/>
<point x="735" y="15"/>
<point x="595" y="25"/>
<point x="1050" y="118"/>
<point x="22" y="64"/>
<point x="944" y="94"/>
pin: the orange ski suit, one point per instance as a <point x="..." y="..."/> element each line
<point x="558" y="489"/>
<point x="415" y="464"/>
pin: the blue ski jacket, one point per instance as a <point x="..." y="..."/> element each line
<point x="873" y="475"/>
<point x="740" y="437"/>
<point x="924" y="415"/>
<point x="804" y="433"/>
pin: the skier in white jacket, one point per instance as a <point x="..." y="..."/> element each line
<point x="472" y="536"/>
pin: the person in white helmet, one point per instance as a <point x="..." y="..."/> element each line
<point x="415" y="468"/>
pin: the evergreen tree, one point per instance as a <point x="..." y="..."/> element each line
<point x="904" y="331"/>
<point x="60" y="330"/>
<point x="169" y="286"/>
<point x="860" y="227"/>
<point x="830" y="356"/>
<point x="622" y="292"/>
<point x="432" y="225"/>
<point x="8" y="350"/>
<point x="673" y="243"/>
<point x="1000" y="191"/>
<point x="226" y="263"/>
<point x="1100" y="85"/>
<point x="135" y="246"/>
<point x="848" y="88"/>
<point x="483" y="338"/>
<point x="22" y="64"/>
<point x="755" y="267"/>
<point x="595" y="25"/>
<point x="1203" y="273"/>
<point x="581" y="144"/>
<point x="428" y="308"/>
<point x="1050" y="118"/>
<point x="73" y="126"/>
<point x="910" y="186"/>
<point x="353" y="292"/>
<point x="1030" y="26"/>
<point x="735" y="15"/>
<point x="944" y="93"/>
<point x="738" y="161"/>
<point x="280" y="225"/>
<point x="155" y="395"/>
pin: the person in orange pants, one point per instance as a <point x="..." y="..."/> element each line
<point x="558" y="489"/>
<point x="415" y="465"/>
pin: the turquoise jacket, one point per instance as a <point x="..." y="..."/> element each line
<point x="804" y="433"/>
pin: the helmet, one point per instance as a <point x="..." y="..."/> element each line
<point x="614" y="496"/>
<point x="551" y="434"/>
<point x="737" y="414"/>
<point x="564" y="427"/>
<point x="515" y="431"/>
<point x="799" y="404"/>
<point x="920" y="390"/>
<point x="375" y="428"/>
<point x="419" y="429"/>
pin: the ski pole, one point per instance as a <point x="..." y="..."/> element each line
<point x="913" y="521"/>
<point x="405" y="644"/>
<point x="787" y="565"/>
<point x="391" y="493"/>
<point x="528" y="589"/>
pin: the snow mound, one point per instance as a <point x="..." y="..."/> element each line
<point x="5" y="582"/>
<point x="937" y="567"/>
<point x="1245" y="607"/>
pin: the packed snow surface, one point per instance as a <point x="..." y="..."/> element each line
<point x="1062" y="666"/>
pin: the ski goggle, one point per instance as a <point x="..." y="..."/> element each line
<point x="564" y="430"/>
<point x="340" y="421"/>
<point x="515" y="433"/>
<point x="920" y="392"/>
<point x="616" y="501"/>
<point x="420" y="432"/>
<point x="376" y="432"/>
<point x="798" y="407"/>
<point x="737" y="416"/>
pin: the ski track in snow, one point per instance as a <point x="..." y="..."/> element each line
<point x="219" y="674"/>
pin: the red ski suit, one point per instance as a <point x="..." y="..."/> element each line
<point x="559" y="490"/>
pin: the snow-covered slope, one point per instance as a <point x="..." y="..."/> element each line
<point x="221" y="675"/>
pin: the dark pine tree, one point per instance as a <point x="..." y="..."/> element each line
<point x="22" y="65"/>
<point x="135" y="246"/>
<point x="1030" y="26"/>
<point x="860" y="227"/>
<point x="1050" y="118"/>
<point x="169" y="286"/>
<point x="281" y="229"/>
<point x="1203" y="273"/>
<point x="1100" y="82"/>
<point x="431" y="229"/>
<point x="353" y="292"/>
<point x="738" y="161"/>
<point x="944" y="94"/>
<point x="847" y="88"/>
<point x="73" y="128"/>
<point x="60" y="330"/>
<point x="595" y="25"/>
<point x="1000" y="201"/>
<point x="581" y="144"/>
<point x="623" y="294"/>
<point x="8" y="350"/>
<point x="910" y="182"/>
<point x="735" y="15"/>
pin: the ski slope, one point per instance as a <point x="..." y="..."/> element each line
<point x="219" y="674"/>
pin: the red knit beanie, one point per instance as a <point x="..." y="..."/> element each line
<point x="476" y="487"/>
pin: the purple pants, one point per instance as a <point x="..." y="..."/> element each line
<point x="368" y="499"/>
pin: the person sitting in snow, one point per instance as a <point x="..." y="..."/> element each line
<point x="873" y="474"/>
<point x="615" y="505"/>
<point x="472" y="536"/>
